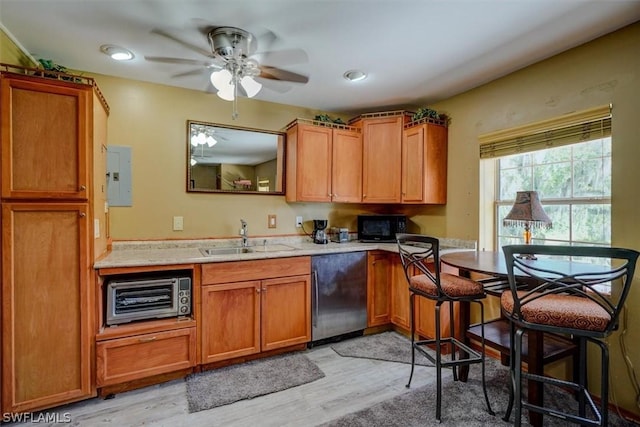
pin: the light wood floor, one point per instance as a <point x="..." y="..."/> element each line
<point x="350" y="384"/>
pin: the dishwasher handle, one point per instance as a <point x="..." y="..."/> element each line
<point x="314" y="317"/>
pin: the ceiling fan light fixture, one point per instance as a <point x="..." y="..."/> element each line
<point x="355" y="75"/>
<point x="116" y="52"/>
<point x="227" y="93"/>
<point x="221" y="79"/>
<point x="251" y="87"/>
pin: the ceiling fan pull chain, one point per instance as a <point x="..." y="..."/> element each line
<point x="234" y="115"/>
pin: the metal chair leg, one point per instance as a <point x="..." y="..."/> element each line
<point x="518" y="378"/>
<point x="438" y="364"/>
<point x="413" y="334"/>
<point x="484" y="382"/>
<point x="511" y="372"/>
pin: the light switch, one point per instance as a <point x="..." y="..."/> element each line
<point x="178" y="223"/>
<point x="272" y="221"/>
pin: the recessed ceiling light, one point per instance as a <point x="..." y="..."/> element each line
<point x="116" y="52"/>
<point x="355" y="75"/>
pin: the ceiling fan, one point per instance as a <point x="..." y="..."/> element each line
<point x="232" y="57"/>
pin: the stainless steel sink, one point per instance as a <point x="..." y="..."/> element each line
<point x="224" y="251"/>
<point x="234" y="250"/>
<point x="271" y="248"/>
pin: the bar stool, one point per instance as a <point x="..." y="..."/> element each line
<point x="580" y="299"/>
<point x="417" y="252"/>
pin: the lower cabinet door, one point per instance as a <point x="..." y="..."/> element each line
<point x="126" y="359"/>
<point x="230" y="320"/>
<point x="286" y="312"/>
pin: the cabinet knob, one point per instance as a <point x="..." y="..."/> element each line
<point x="82" y="214"/>
<point x="82" y="188"/>
<point x="258" y="290"/>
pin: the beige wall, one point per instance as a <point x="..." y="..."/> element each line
<point x="10" y="53"/>
<point x="604" y="71"/>
<point x="152" y="120"/>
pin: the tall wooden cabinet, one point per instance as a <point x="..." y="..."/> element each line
<point x="51" y="232"/>
<point x="324" y="162"/>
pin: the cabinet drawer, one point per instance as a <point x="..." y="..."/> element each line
<point x="126" y="359"/>
<point x="239" y="271"/>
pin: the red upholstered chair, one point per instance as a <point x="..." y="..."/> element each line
<point x="581" y="299"/>
<point x="417" y="252"/>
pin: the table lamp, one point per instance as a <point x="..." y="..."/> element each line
<point x="528" y="212"/>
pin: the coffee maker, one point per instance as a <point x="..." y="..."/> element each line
<point x="319" y="235"/>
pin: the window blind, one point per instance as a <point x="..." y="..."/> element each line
<point x="568" y="129"/>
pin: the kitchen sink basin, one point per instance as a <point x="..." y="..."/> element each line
<point x="271" y="248"/>
<point x="224" y="251"/>
<point x="234" y="250"/>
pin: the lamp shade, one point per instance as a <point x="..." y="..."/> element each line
<point x="527" y="211"/>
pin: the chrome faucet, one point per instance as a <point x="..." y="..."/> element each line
<point x="243" y="233"/>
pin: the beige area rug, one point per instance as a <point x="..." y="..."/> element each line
<point x="217" y="387"/>
<point x="389" y="346"/>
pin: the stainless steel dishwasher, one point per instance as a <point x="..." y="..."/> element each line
<point x="338" y="294"/>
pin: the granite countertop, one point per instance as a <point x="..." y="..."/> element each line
<point x="147" y="253"/>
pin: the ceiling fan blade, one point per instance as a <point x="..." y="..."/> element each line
<point x="282" y="57"/>
<point x="168" y="60"/>
<point x="196" y="72"/>
<point x="274" y="85"/>
<point x="274" y="73"/>
<point x="188" y="45"/>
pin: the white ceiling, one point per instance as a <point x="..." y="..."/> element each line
<point x="416" y="52"/>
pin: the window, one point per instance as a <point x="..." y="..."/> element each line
<point x="574" y="184"/>
<point x="568" y="161"/>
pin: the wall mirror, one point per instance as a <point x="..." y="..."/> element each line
<point x="224" y="159"/>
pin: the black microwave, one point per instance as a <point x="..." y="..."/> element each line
<point x="380" y="228"/>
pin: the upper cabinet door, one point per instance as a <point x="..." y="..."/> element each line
<point x="45" y="136"/>
<point x="309" y="163"/>
<point x="424" y="164"/>
<point x="382" y="138"/>
<point x="346" y="181"/>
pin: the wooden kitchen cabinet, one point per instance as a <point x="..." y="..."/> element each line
<point x="399" y="294"/>
<point x="254" y="306"/>
<point x="324" y="163"/>
<point x="424" y="164"/>
<point x="45" y="130"/>
<point x="382" y="155"/>
<point x="140" y="356"/>
<point x="378" y="288"/>
<point x="46" y="305"/>
<point x="53" y="132"/>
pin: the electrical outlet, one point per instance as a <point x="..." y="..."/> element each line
<point x="298" y="221"/>
<point x="178" y="223"/>
<point x="272" y="221"/>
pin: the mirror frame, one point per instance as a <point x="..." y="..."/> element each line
<point x="280" y="160"/>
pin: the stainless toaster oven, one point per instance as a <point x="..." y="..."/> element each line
<point x="139" y="299"/>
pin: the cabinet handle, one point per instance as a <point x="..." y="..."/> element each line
<point x="315" y="291"/>
<point x="148" y="339"/>
<point x="82" y="188"/>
